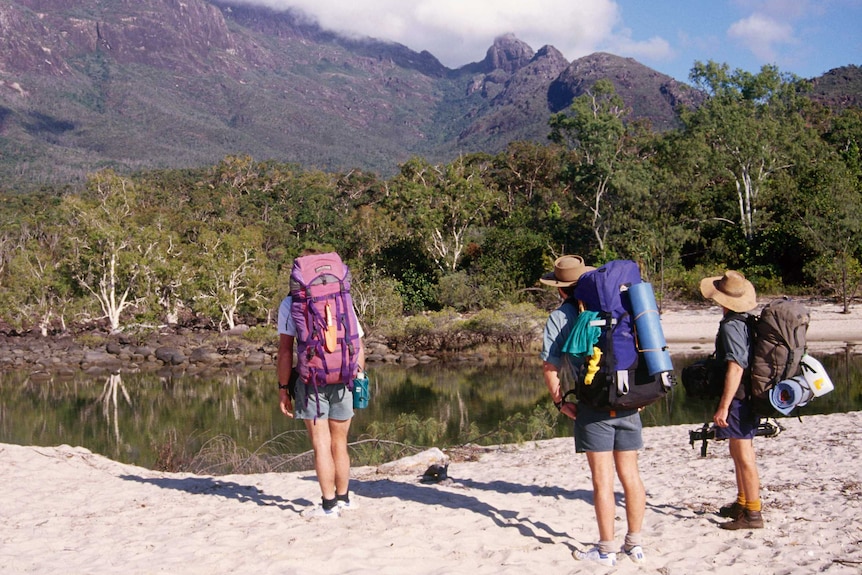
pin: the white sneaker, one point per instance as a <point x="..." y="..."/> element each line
<point x="347" y="505"/>
<point x="636" y="554"/>
<point x="319" y="511"/>
<point x="608" y="559"/>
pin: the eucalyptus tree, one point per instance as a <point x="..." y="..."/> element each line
<point x="110" y="248"/>
<point x="37" y="291"/>
<point x="749" y="129"/>
<point x="528" y="176"/>
<point x="443" y="205"/>
<point x="650" y="227"/>
<point x="595" y="131"/>
<point x="232" y="275"/>
<point x="828" y="208"/>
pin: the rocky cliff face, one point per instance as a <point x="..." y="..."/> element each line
<point x="632" y="80"/>
<point x="168" y="34"/>
<point x="518" y="100"/>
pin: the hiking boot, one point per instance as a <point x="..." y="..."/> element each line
<point x="320" y="511"/>
<point x="732" y="511"/>
<point x="749" y="520"/>
<point x="636" y="554"/>
<point x="608" y="559"/>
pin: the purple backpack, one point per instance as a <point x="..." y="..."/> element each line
<point x="327" y="332"/>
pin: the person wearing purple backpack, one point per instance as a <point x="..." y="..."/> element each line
<point x="319" y="393"/>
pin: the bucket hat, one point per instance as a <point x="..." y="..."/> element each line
<point x="730" y="290"/>
<point x="567" y="271"/>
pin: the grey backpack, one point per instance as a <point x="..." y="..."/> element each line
<point x="778" y="338"/>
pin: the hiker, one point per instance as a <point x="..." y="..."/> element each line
<point x="326" y="410"/>
<point x="734" y="417"/>
<point x="611" y="440"/>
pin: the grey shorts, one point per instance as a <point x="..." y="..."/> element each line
<point x="596" y="430"/>
<point x="330" y="402"/>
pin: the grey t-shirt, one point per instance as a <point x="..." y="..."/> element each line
<point x="733" y="343"/>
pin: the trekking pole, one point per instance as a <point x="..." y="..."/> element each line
<point x="707" y="432"/>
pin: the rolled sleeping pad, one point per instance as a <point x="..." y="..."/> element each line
<point x="651" y="339"/>
<point x="789" y="394"/>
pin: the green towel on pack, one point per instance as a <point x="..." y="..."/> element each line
<point x="583" y="335"/>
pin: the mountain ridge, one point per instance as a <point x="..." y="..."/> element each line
<point x="144" y="84"/>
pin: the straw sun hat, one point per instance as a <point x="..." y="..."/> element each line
<point x="730" y="290"/>
<point x="567" y="271"/>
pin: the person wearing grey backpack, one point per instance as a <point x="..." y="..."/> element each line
<point x="735" y="418"/>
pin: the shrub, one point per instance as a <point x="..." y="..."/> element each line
<point x="261" y="334"/>
<point x="513" y="325"/>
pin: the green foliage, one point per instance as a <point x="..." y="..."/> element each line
<point x="839" y="277"/>
<point x="442" y="331"/>
<point x="261" y="334"/>
<point x="464" y="292"/>
<point x="408" y="427"/>
<point x="512" y="326"/>
<point x="757" y="179"/>
<point x="376" y="299"/>
<point x="534" y="426"/>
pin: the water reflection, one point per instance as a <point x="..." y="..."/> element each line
<point x="142" y="418"/>
<point x="110" y="406"/>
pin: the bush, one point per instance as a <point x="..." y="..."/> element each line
<point x="261" y="334"/>
<point x="513" y="325"/>
<point x="377" y="299"/>
<point x="463" y="292"/>
<point x="442" y="331"/>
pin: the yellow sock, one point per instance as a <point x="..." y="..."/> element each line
<point x="740" y="498"/>
<point x="753" y="505"/>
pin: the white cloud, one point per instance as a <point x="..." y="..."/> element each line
<point x="656" y="48"/>
<point x="761" y="35"/>
<point x="458" y="32"/>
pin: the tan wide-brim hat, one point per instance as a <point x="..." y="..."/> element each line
<point x="567" y="271"/>
<point x="730" y="290"/>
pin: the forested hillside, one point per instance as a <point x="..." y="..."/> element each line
<point x="758" y="178"/>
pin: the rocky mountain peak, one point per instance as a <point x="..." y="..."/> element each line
<point x="508" y="54"/>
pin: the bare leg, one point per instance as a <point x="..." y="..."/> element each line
<point x="748" y="480"/>
<point x="602" y="470"/>
<point x="324" y="463"/>
<point x="340" y="455"/>
<point x="633" y="487"/>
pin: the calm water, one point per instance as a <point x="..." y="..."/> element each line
<point x="131" y="417"/>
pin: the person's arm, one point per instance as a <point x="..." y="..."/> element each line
<point x="551" y="374"/>
<point x="360" y="357"/>
<point x="284" y="365"/>
<point x="732" y="381"/>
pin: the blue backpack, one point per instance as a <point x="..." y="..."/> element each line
<point x="626" y="362"/>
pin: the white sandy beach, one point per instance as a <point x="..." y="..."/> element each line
<point x="517" y="509"/>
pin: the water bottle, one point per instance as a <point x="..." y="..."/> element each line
<point x="360" y="390"/>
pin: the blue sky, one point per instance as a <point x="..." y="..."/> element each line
<point x="804" y="37"/>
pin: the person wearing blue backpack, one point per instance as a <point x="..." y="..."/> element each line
<point x="611" y="441"/>
<point x="318" y="319"/>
